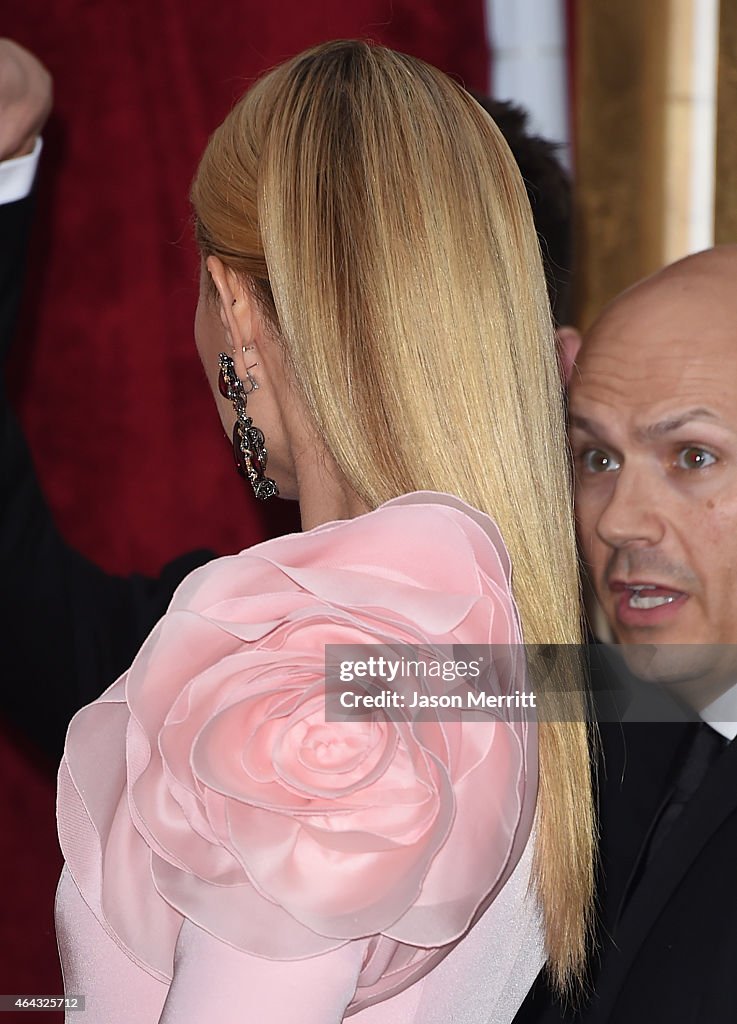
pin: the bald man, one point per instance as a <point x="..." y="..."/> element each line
<point x="653" y="413"/>
<point x="653" y="416"/>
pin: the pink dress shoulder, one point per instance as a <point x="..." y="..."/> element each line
<point x="242" y="845"/>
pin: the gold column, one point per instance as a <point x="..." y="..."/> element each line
<point x="678" y="141"/>
<point x="725" y="214"/>
<point x="620" y="129"/>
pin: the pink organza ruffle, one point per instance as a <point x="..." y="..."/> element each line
<point x="207" y="784"/>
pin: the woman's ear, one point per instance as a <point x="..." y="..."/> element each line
<point x="242" y="320"/>
<point x="237" y="308"/>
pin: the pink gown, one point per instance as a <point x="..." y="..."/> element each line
<point x="234" y="855"/>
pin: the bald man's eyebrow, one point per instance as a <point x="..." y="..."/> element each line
<point x="653" y="431"/>
<point x="574" y="420"/>
<point x="657" y="430"/>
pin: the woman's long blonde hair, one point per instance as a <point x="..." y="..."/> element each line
<point x="382" y="224"/>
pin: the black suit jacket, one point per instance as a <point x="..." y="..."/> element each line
<point x="672" y="948"/>
<point x="668" y="936"/>
<point x="67" y="629"/>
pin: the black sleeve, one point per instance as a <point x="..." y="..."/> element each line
<point x="67" y="629"/>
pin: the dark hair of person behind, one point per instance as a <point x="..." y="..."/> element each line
<point x="549" y="191"/>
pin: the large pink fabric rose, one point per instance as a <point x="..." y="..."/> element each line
<point x="207" y="784"/>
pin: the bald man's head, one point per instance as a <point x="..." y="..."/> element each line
<point x="688" y="300"/>
<point x="653" y="407"/>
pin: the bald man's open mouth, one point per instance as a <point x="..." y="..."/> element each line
<point x="646" y="603"/>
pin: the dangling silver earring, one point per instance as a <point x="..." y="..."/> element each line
<point x="249" y="449"/>
<point x="252" y="382"/>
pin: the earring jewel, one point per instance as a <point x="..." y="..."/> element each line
<point x="249" y="448"/>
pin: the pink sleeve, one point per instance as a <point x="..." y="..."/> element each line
<point x="209" y="792"/>
<point x="214" y="981"/>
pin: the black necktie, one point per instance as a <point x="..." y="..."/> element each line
<point x="705" y="747"/>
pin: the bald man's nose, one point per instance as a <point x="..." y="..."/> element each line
<point x="632" y="515"/>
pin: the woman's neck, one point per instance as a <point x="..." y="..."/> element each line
<point x="323" y="493"/>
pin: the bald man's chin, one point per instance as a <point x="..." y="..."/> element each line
<point x="693" y="674"/>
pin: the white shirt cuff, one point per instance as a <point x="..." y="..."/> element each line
<point x="16" y="176"/>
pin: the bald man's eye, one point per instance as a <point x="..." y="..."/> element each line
<point x="694" y="458"/>
<point x="595" y="460"/>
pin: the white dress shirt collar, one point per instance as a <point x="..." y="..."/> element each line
<point x="721" y="714"/>
<point x="16" y="176"/>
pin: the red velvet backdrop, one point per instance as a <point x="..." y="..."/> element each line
<point x="105" y="375"/>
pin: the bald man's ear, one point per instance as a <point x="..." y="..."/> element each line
<point x="569" y="342"/>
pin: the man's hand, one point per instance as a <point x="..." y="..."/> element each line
<point x="25" y="99"/>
